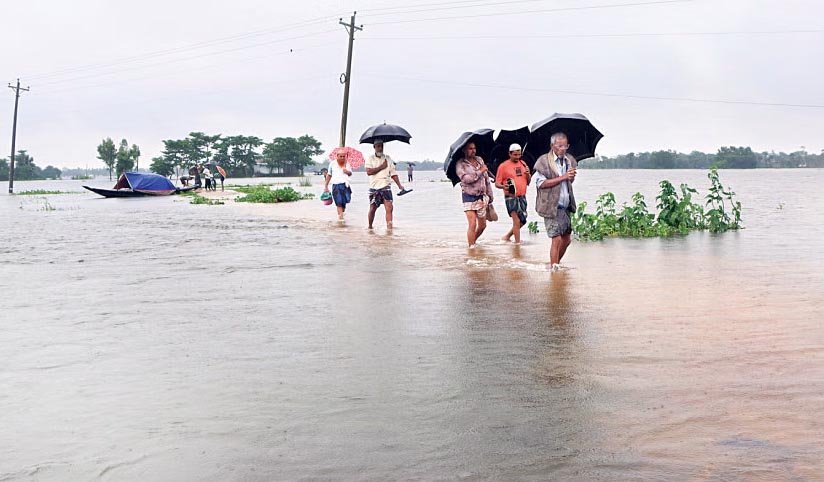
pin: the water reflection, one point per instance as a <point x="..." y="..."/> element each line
<point x="283" y="346"/>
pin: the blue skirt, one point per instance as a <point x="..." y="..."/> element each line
<point x="342" y="194"/>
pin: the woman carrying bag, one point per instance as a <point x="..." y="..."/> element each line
<point x="476" y="193"/>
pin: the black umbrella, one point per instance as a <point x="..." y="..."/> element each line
<point x="385" y="132"/>
<point x="484" y="142"/>
<point x="582" y="135"/>
<point x="500" y="152"/>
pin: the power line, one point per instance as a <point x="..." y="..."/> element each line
<point x="599" y="94"/>
<point x="108" y="107"/>
<point x="596" y="35"/>
<point x="184" y="48"/>
<point x="417" y="5"/>
<point x="192" y="57"/>
<point x="448" y="6"/>
<point x="526" y="12"/>
<point x="189" y="70"/>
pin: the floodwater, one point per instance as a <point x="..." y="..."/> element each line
<point x="154" y="340"/>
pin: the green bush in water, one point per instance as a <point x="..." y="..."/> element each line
<point x="262" y="194"/>
<point x="676" y="214"/>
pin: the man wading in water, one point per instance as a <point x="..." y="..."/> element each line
<point x="554" y="175"/>
<point x="513" y="177"/>
<point x="381" y="172"/>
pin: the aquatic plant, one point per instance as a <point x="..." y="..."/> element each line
<point x="305" y="181"/>
<point x="196" y="198"/>
<point x="676" y="214"/>
<point x="532" y="226"/>
<point x="263" y="194"/>
<point x="39" y="192"/>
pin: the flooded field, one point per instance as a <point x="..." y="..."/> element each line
<point x="152" y="339"/>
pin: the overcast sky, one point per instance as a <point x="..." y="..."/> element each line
<point x="154" y="70"/>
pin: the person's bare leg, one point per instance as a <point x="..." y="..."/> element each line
<point x="508" y="236"/>
<point x="372" y="209"/>
<point x="516" y="227"/>
<point x="340" y="213"/>
<point x="555" y="251"/>
<point x="566" y="240"/>
<point x="480" y="229"/>
<point x="471" y="231"/>
<point x="387" y="206"/>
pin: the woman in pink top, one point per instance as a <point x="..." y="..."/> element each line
<point x="476" y="192"/>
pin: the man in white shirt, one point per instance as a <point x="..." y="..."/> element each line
<point x="381" y="172"/>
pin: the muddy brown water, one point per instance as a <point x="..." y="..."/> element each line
<point x="151" y="339"/>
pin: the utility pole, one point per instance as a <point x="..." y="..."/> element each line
<point x="345" y="78"/>
<point x="17" y="90"/>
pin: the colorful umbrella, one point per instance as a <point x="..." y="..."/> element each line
<point x="221" y="171"/>
<point x="354" y="156"/>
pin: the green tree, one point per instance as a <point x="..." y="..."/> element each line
<point x="163" y="166"/>
<point x="662" y="160"/>
<point x="4" y="169"/>
<point x="123" y="158"/>
<point x="736" y="158"/>
<point x="285" y="152"/>
<point x="202" y="146"/>
<point x="107" y="153"/>
<point x="242" y="154"/>
<point x="24" y="167"/>
<point x="134" y="154"/>
<point x="51" y="172"/>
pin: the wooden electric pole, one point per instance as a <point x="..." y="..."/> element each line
<point x="345" y="78"/>
<point x="17" y="90"/>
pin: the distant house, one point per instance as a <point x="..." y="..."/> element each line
<point x="290" y="170"/>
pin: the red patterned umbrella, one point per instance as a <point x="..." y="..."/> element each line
<point x="354" y="156"/>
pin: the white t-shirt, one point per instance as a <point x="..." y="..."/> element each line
<point x="383" y="178"/>
<point x="338" y="176"/>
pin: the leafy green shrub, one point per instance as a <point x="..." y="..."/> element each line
<point x="263" y="194"/>
<point x="676" y="214"/>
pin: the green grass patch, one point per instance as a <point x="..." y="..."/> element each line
<point x="263" y="194"/>
<point x="267" y="184"/>
<point x="195" y="198"/>
<point x="41" y="192"/>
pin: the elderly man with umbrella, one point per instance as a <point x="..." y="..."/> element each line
<point x="381" y="171"/>
<point x="555" y="171"/>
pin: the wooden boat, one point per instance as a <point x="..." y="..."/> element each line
<point x="139" y="184"/>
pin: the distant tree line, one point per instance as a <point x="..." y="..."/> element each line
<point x="239" y="155"/>
<point x="26" y="170"/>
<point x="725" y="158"/>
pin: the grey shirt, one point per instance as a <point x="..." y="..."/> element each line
<point x="563" y="166"/>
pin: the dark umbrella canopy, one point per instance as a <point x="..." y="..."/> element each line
<point x="500" y="152"/>
<point x="386" y="133"/>
<point x="484" y="142"/>
<point x="582" y="135"/>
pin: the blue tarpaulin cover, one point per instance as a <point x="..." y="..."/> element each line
<point x="150" y="183"/>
